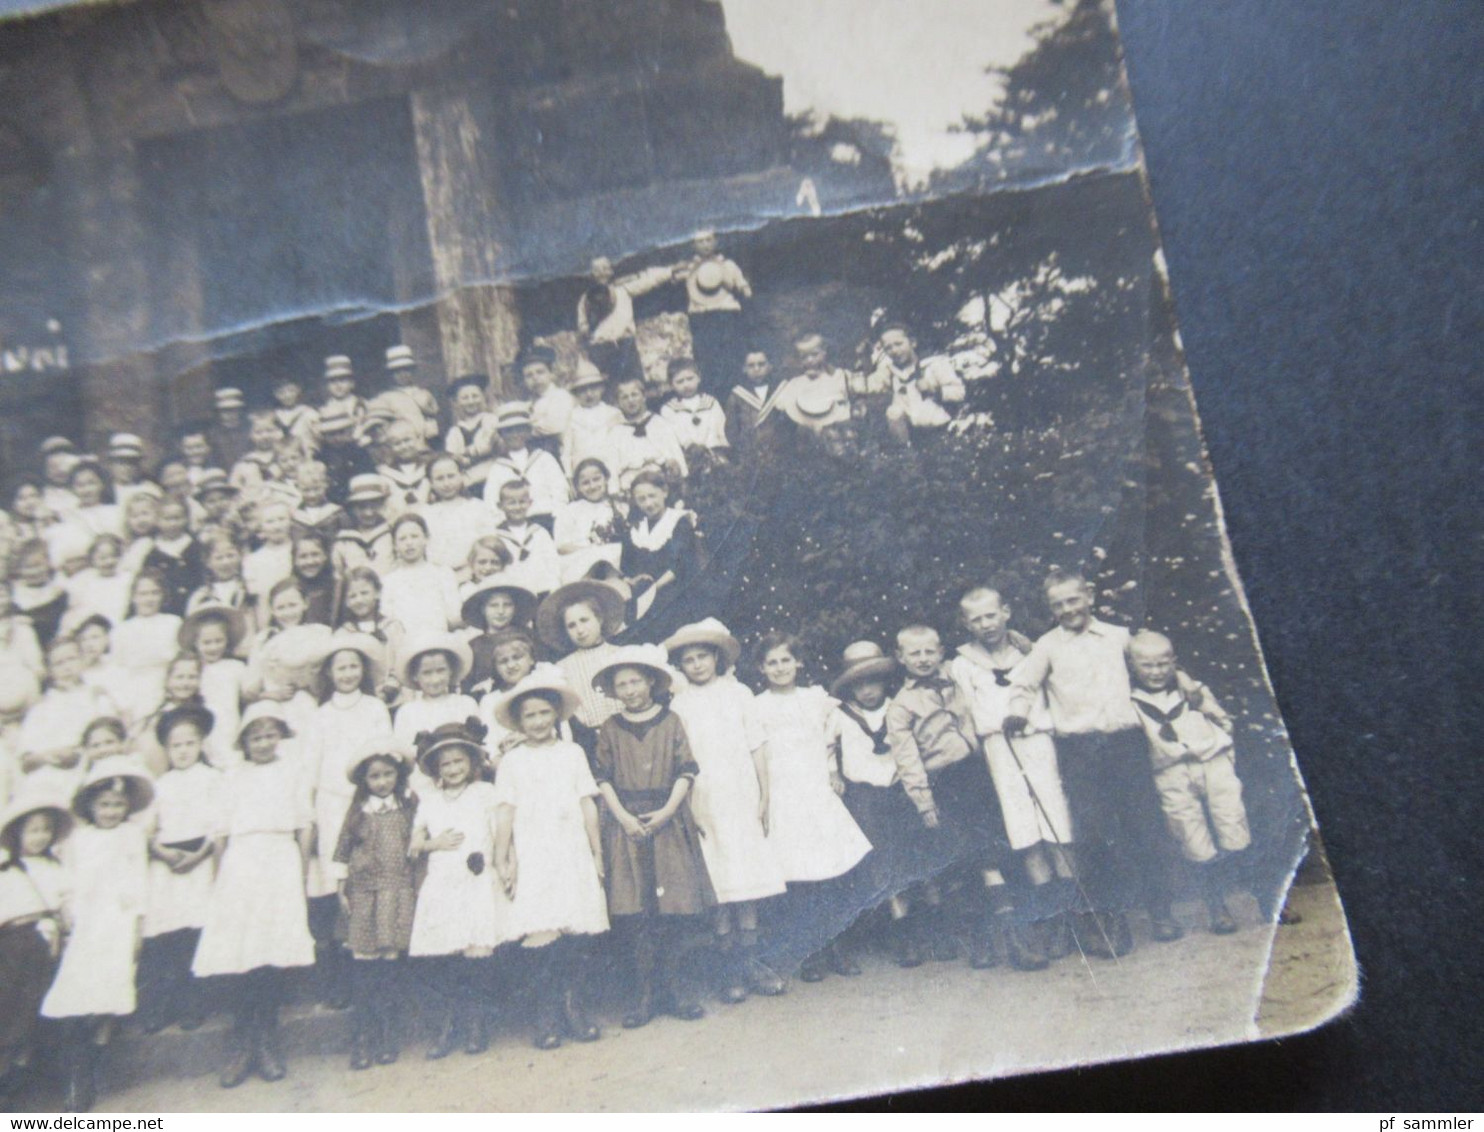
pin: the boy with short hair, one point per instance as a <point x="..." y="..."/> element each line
<point x="698" y="419"/>
<point x="195" y="450"/>
<point x="227" y="435"/>
<point x="126" y="466"/>
<point x="535" y="564"/>
<point x="1101" y="753"/>
<point x="923" y="392"/>
<point x="550" y="404"/>
<point x="930" y="727"/>
<point x="405" y="470"/>
<point x="819" y="395"/>
<point x="1023" y="769"/>
<point x="368" y="540"/>
<point x="1195" y="775"/>
<point x="175" y="556"/>
<point x="315" y="514"/>
<point x="754" y="430"/>
<point x="534" y="467"/>
<point x="259" y="465"/>
<point x="473" y="439"/>
<point x="642" y="439"/>
<point x="300" y="422"/>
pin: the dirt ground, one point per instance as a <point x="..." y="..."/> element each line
<point x="889" y="1029"/>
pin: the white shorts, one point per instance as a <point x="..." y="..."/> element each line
<point x="1029" y="819"/>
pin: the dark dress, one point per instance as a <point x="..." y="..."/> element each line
<point x="182" y="574"/>
<point x="663" y="875"/>
<point x="679" y="555"/>
<point x="26" y="970"/>
<point x="46" y="618"/>
<point x="319" y="593"/>
<point x="379" y="881"/>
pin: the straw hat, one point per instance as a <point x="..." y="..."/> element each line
<point x="467" y="736"/>
<point x="338" y="365"/>
<point x="608" y="599"/>
<point x="587" y="374"/>
<point x="525" y="603"/>
<point x="54" y="444"/>
<point x="706" y="632"/>
<point x="383" y="747"/>
<point x="229" y="398"/>
<point x="543" y="678"/>
<point x="264" y="709"/>
<point x="400" y="357"/>
<point x="710" y="276"/>
<point x="23" y="806"/>
<point x="651" y="658"/>
<point x="368" y="488"/>
<point x="864" y="660"/>
<point x="228" y="615"/>
<point x="139" y="788"/>
<point x="193" y="713"/>
<point x="513" y="414"/>
<point x="214" y="479"/>
<point x="372" y="652"/>
<point x="303" y="647"/>
<point x="455" y="646"/>
<point x="125" y="446"/>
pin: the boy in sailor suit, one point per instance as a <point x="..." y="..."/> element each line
<point x="538" y="469"/>
<point x="535" y="564"/>
<point x="1195" y="774"/>
<point x="368" y="542"/>
<point x="754" y="429"/>
<point x="697" y="418"/>
<point x="299" y="422"/>
<point x="406" y="472"/>
<point x="473" y="440"/>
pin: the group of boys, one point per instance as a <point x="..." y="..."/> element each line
<point x="1080" y="758"/>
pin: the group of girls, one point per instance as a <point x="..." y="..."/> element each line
<point x="470" y="853"/>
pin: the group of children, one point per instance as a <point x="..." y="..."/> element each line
<point x="319" y="696"/>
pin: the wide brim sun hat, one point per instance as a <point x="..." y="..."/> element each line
<point x="544" y="678"/>
<point x="549" y="617"/>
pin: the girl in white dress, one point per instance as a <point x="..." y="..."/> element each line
<point x="813" y="836"/>
<point x="102" y="586"/>
<point x="181" y="870"/>
<point x="144" y="643"/>
<point x="213" y="634"/>
<point x="107" y="884"/>
<point x="730" y="798"/>
<point x="454" y="520"/>
<point x="422" y="595"/>
<point x="460" y="911"/>
<point x="52" y="731"/>
<point x="433" y="667"/>
<point x="548" y="850"/>
<point x="32" y="887"/>
<point x="349" y="717"/>
<point x="257" y="920"/>
<point x="589" y="529"/>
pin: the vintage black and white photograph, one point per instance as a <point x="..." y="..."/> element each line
<point x="612" y="554"/>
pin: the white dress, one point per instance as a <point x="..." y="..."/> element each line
<point x="453" y="527"/>
<point x="106" y="878"/>
<point x="456" y="907"/>
<point x="722" y="723"/>
<point x="424" y="598"/>
<point x="58" y="719"/>
<point x="812" y="833"/>
<point x="143" y="648"/>
<point x="557" y="888"/>
<point x="89" y="592"/>
<point x="344" y="724"/>
<point x="586" y="535"/>
<point x="424" y="714"/>
<point x="257" y="915"/>
<point x="221" y="690"/>
<point x="187" y="806"/>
